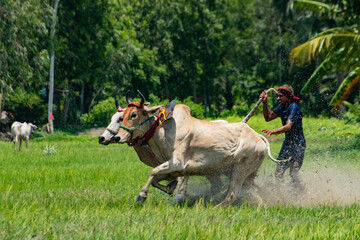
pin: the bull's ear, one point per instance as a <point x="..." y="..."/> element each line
<point x="146" y="104"/>
<point x="153" y="110"/>
<point x="170" y="109"/>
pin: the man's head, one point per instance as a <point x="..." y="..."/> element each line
<point x="286" y="94"/>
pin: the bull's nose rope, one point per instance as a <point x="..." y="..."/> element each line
<point x="111" y="131"/>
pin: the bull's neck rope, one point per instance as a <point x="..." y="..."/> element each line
<point x="132" y="130"/>
<point x="150" y="133"/>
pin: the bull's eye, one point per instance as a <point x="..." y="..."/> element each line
<point x="120" y="119"/>
<point x="133" y="115"/>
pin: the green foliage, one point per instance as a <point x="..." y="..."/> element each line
<point x="197" y="110"/>
<point x="100" y="114"/>
<point x="23" y="54"/>
<point x="220" y="54"/>
<point x="353" y="115"/>
<point x="155" y="101"/>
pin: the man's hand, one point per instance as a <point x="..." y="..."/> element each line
<point x="267" y="132"/>
<point x="264" y="96"/>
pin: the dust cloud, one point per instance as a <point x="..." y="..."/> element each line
<point x="331" y="186"/>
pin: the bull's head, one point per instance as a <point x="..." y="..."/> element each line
<point x="112" y="129"/>
<point x="6" y="117"/>
<point x="33" y="126"/>
<point x="138" y="119"/>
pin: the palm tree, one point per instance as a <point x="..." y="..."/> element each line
<point x="339" y="47"/>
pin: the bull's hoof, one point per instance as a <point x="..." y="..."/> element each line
<point x="179" y="200"/>
<point x="171" y="187"/>
<point x="140" y="199"/>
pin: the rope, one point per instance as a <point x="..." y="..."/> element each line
<point x="132" y="130"/>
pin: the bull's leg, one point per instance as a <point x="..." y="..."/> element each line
<point x="181" y="190"/>
<point x="164" y="168"/>
<point x="14" y="141"/>
<point x="27" y="141"/>
<point x="20" y="142"/>
<point x="236" y="181"/>
<point x="251" y="188"/>
<point x="216" y="183"/>
<point x="169" y="189"/>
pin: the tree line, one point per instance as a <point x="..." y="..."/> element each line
<point x="218" y="54"/>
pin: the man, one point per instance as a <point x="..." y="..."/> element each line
<point x="294" y="144"/>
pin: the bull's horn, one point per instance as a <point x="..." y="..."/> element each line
<point x="117" y="104"/>
<point x="128" y="100"/>
<point x="142" y="98"/>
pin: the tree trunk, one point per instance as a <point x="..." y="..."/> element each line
<point x="52" y="60"/>
<point x="228" y="96"/>
<point x="194" y="90"/>
<point x="82" y="95"/>
<point x="205" y="98"/>
<point x="279" y="55"/>
<point x="341" y="110"/>
<point x="2" y="87"/>
<point x="167" y="92"/>
<point x="1" y="97"/>
<point x="93" y="102"/>
<point x="66" y="107"/>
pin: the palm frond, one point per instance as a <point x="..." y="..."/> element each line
<point x="321" y="71"/>
<point x="337" y="31"/>
<point x="312" y="5"/>
<point x="346" y="87"/>
<point x="333" y="41"/>
<point x="352" y="107"/>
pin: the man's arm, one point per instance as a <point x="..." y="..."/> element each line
<point x="279" y="130"/>
<point x="268" y="115"/>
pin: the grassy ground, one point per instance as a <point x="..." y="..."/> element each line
<point x="84" y="190"/>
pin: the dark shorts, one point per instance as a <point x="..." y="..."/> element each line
<point x="296" y="153"/>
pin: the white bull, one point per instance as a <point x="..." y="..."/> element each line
<point x="145" y="153"/>
<point x="142" y="149"/>
<point x="196" y="147"/>
<point x="21" y="132"/>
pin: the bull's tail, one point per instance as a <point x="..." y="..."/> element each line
<point x="269" y="153"/>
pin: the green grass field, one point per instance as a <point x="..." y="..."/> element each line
<point x="84" y="190"/>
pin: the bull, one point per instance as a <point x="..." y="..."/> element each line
<point x="21" y="132"/>
<point x="188" y="146"/>
<point x="142" y="149"/>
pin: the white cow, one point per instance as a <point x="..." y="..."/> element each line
<point x="21" y="132"/>
<point x="196" y="147"/>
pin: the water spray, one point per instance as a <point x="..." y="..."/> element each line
<point x="256" y="106"/>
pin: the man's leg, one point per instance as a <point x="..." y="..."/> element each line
<point x="294" y="174"/>
<point x="279" y="172"/>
